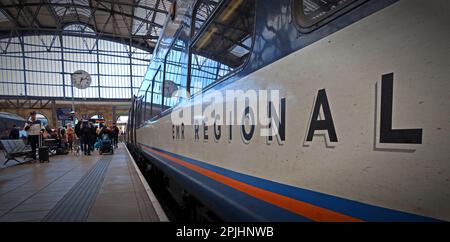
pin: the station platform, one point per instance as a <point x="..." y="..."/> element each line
<point x="78" y="188"/>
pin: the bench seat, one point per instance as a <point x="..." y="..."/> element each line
<point x="14" y="148"/>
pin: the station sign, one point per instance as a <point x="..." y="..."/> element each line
<point x="64" y="114"/>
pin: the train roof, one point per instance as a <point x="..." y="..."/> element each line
<point x="5" y="115"/>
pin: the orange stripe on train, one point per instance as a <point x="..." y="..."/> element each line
<point x="295" y="206"/>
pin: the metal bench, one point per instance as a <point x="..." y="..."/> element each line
<point x="14" y="148"/>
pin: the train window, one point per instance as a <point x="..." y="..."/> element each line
<point x="155" y="94"/>
<point x="148" y="102"/>
<point x="203" y="10"/>
<point x="311" y="12"/>
<point x="223" y="45"/>
<point x="139" y="114"/>
<point x="175" y="73"/>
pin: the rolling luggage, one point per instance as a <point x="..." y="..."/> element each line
<point x="43" y="152"/>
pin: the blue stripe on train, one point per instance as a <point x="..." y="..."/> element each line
<point x="227" y="202"/>
<point x="352" y="208"/>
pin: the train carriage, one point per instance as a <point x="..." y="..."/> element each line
<point x="362" y="115"/>
<point x="7" y="120"/>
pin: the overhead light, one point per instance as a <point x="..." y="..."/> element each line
<point x="230" y="9"/>
<point x="204" y="40"/>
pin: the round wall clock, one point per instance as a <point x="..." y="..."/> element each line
<point x="81" y="79"/>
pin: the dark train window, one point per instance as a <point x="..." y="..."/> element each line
<point x="224" y="45"/>
<point x="203" y="10"/>
<point x="139" y="114"/>
<point x="311" y="12"/>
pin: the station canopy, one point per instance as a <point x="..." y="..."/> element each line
<point x="43" y="42"/>
<point x="133" y="22"/>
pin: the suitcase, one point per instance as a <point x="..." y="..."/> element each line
<point x="43" y="152"/>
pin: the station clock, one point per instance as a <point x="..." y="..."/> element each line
<point x="81" y="79"/>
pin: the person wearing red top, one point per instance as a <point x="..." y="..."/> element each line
<point x="70" y="136"/>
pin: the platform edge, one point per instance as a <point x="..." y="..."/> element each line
<point x="158" y="209"/>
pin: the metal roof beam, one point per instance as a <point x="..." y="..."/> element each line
<point x="9" y="15"/>
<point x="68" y="32"/>
<point x="65" y="5"/>
<point x="155" y="9"/>
<point x="34" y="15"/>
<point x="136" y="41"/>
<point x="53" y="13"/>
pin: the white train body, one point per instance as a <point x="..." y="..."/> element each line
<point x="356" y="178"/>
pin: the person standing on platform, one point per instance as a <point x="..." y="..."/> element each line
<point x="85" y="133"/>
<point x="115" y="134"/>
<point x="108" y="131"/>
<point x="97" y="135"/>
<point x="33" y="128"/>
<point x="70" y="136"/>
<point x="63" y="137"/>
<point x="14" y="133"/>
<point x="78" y="133"/>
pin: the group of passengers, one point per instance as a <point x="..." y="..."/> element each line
<point x="37" y="133"/>
<point x="89" y="135"/>
<point x="63" y="136"/>
<point x="84" y="131"/>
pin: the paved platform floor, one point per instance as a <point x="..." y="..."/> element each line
<point x="77" y="188"/>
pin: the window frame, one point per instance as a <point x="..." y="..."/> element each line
<point x="306" y="26"/>
<point x="192" y="42"/>
<point x="193" y="34"/>
<point x="177" y="36"/>
<point x="153" y="92"/>
<point x="195" y="39"/>
<point x="140" y="117"/>
<point x="162" y="67"/>
<point x="152" y="85"/>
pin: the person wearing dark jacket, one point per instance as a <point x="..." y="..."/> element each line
<point x="14" y="133"/>
<point x="105" y="130"/>
<point x="115" y="135"/>
<point x="78" y="133"/>
<point x="85" y="133"/>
